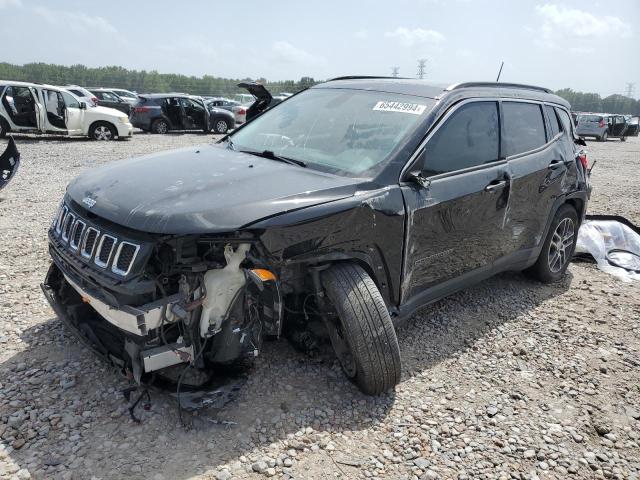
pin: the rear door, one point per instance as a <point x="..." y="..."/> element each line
<point x="456" y="222"/>
<point x="538" y="156"/>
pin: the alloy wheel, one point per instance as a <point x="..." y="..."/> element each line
<point x="221" y="126"/>
<point x="102" y="133"/>
<point x="560" y="245"/>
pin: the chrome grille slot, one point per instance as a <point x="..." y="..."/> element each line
<point x="125" y="255"/>
<point x="61" y="215"/>
<point x="76" y="236"/>
<point x="89" y="242"/>
<point x="105" y="249"/>
<point x="67" y="226"/>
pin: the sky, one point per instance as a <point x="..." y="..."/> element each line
<point x="579" y="44"/>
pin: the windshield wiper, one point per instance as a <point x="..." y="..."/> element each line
<point x="272" y="156"/>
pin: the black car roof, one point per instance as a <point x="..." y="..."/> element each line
<point x="412" y="86"/>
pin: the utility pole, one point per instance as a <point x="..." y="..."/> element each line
<point x="394" y="71"/>
<point x="629" y="91"/>
<point x="422" y="63"/>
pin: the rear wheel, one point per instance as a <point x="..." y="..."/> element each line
<point x="221" y="126"/>
<point x="360" y="328"/>
<point x="623" y="139"/>
<point x="160" y="126"/>
<point x="558" y="247"/>
<point x="102" y="131"/>
<point x="604" y="137"/>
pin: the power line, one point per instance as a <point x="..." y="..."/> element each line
<point x="395" y="71"/>
<point x="422" y="63"/>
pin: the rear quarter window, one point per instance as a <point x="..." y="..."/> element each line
<point x="523" y="128"/>
<point x="553" y="120"/>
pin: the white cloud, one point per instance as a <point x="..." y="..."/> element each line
<point x="284" y="52"/>
<point x="562" y="23"/>
<point x="76" y="22"/>
<point x="361" y="34"/>
<point x="417" y="36"/>
<point x="10" y="3"/>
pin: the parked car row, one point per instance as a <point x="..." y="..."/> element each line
<point x="603" y="126"/>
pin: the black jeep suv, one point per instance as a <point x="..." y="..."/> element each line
<point x="345" y="207"/>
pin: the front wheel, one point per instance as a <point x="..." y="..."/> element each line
<point x="360" y="329"/>
<point x="558" y="246"/>
<point x="102" y="131"/>
<point x="623" y="139"/>
<point x="160" y="126"/>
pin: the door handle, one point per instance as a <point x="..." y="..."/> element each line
<point x="555" y="164"/>
<point x="495" y="185"/>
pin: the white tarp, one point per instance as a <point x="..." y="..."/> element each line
<point x="613" y="245"/>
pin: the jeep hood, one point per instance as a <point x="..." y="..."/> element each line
<point x="204" y="189"/>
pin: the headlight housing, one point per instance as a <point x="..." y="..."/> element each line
<point x="123" y="119"/>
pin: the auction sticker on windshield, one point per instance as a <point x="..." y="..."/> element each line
<point x="402" y="107"/>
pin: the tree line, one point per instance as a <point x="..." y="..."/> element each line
<point x="140" y="81"/>
<point x="143" y="81"/>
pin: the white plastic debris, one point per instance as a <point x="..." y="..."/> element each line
<point x="614" y="246"/>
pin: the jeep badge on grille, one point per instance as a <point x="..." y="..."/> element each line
<point x="88" y="201"/>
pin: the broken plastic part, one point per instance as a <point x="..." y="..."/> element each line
<point x="263" y="274"/>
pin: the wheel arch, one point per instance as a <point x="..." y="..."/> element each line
<point x="95" y="122"/>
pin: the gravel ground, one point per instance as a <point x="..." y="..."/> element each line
<point x="509" y="379"/>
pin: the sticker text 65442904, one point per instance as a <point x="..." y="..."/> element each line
<point x="402" y="107"/>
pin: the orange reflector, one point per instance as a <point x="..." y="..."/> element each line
<point x="264" y="275"/>
<point x="86" y="300"/>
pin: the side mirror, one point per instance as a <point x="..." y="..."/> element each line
<point x="416" y="177"/>
<point x="580" y="141"/>
<point x="83" y="106"/>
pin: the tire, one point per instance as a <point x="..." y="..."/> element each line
<point x="160" y="126"/>
<point x="221" y="126"/>
<point x="553" y="261"/>
<point x="623" y="139"/>
<point x="102" y="131"/>
<point x="604" y="137"/>
<point x="4" y="128"/>
<point x="362" y="333"/>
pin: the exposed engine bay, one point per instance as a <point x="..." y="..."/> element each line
<point x="197" y="301"/>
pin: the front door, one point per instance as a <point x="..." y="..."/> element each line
<point x="619" y="126"/>
<point x="456" y="221"/>
<point x="196" y="116"/>
<point x="74" y="115"/>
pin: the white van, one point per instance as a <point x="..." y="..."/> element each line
<point x="36" y="108"/>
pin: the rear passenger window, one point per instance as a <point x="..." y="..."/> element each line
<point x="553" y="120"/>
<point x="469" y="137"/>
<point x="523" y="127"/>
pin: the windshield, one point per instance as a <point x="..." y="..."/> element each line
<point x="344" y="131"/>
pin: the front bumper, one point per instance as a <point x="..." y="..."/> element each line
<point x="125" y="130"/>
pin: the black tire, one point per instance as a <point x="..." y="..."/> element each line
<point x="547" y="269"/>
<point x="160" y="126"/>
<point x="604" y="137"/>
<point x="102" y="131"/>
<point x="623" y="139"/>
<point x="221" y="126"/>
<point x="4" y="128"/>
<point x="362" y="334"/>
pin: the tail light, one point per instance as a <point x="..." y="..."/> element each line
<point x="242" y="111"/>
<point x="582" y="156"/>
<point x="601" y="124"/>
<point x="141" y="109"/>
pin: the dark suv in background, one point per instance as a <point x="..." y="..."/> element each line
<point x="339" y="212"/>
<point x="162" y="112"/>
<point x="107" y="98"/>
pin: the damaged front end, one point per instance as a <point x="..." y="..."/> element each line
<point x="153" y="304"/>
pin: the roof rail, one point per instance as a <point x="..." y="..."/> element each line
<point x="365" y="77"/>
<point x="456" y="86"/>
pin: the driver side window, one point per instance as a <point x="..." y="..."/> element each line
<point x="469" y="137"/>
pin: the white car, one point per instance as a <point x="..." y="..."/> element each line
<point x="36" y="108"/>
<point x="83" y="94"/>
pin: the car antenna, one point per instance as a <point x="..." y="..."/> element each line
<point x="500" y="72"/>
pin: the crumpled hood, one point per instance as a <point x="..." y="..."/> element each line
<point x="202" y="189"/>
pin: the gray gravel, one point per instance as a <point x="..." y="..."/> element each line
<point x="509" y="379"/>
